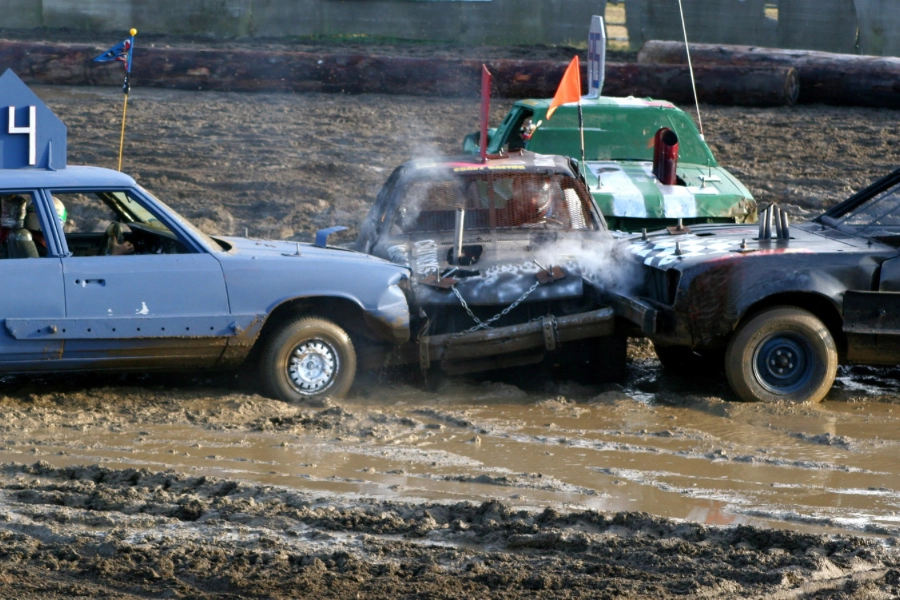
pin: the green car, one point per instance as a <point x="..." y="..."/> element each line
<point x="619" y="146"/>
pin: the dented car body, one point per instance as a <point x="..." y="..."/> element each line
<point x="785" y="303"/>
<point x="496" y="252"/>
<point x="180" y="298"/>
<point x="101" y="275"/>
<point x="619" y="148"/>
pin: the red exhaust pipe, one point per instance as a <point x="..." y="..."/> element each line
<point x="665" y="156"/>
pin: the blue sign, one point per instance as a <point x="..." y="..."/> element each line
<point x="31" y="136"/>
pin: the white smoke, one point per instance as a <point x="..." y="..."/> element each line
<point x="602" y="259"/>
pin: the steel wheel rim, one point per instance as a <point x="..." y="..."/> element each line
<point x="784" y="363"/>
<point x="312" y="366"/>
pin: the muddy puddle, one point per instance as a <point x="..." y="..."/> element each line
<point x="677" y="453"/>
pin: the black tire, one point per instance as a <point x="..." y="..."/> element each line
<point x="682" y="360"/>
<point x="782" y="354"/>
<point x="329" y="372"/>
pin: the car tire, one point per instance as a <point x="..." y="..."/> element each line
<point x="782" y="354"/>
<point x="331" y="361"/>
<point x="683" y="360"/>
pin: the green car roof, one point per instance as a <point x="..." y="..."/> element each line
<point x="614" y="129"/>
<point x="618" y="137"/>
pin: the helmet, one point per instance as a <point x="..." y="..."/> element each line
<point x="31" y="219"/>
<point x="61" y="211"/>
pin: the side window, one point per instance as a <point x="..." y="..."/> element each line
<point x="112" y="223"/>
<point x="21" y="235"/>
<point x="521" y="131"/>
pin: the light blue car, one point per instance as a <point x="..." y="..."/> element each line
<point x="98" y="274"/>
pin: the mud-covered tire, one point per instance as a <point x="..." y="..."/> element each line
<point x="782" y="354"/>
<point x="329" y="367"/>
<point x="682" y="360"/>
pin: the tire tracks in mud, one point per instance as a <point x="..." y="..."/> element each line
<point x="137" y="532"/>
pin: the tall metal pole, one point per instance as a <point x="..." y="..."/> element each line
<point x="126" y="88"/>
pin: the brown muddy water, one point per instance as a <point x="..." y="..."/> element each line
<point x="659" y="444"/>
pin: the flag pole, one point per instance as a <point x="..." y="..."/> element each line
<point x="581" y="166"/>
<point x="124" y="112"/>
<point x="126" y="87"/>
<point x="569" y="91"/>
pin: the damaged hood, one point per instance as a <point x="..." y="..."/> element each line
<point x="716" y="243"/>
<point x="505" y="266"/>
<point x="629" y="189"/>
<point x="274" y="248"/>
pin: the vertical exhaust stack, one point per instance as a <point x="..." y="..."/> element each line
<point x="596" y="56"/>
<point x="458" y="233"/>
<point x="665" y="156"/>
<point x="774" y="218"/>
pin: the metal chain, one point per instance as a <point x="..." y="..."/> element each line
<point x="487" y="324"/>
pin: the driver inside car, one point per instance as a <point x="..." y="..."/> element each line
<point x="116" y="244"/>
<point x="33" y="224"/>
<point x="15" y="239"/>
<point x="534" y="203"/>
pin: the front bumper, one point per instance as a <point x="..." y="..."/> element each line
<point x="544" y="334"/>
<point x="636" y="311"/>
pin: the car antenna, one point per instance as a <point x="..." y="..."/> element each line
<point x="691" y="69"/>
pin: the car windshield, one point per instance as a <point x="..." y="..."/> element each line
<point x="877" y="218"/>
<point x="145" y="217"/>
<point x="495" y="200"/>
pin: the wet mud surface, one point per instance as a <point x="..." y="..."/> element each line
<point x="194" y="486"/>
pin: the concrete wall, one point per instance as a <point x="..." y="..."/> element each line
<point x="706" y="21"/>
<point x="24" y="14"/>
<point x="490" y="21"/>
<point x="879" y="27"/>
<point x="828" y="25"/>
<point x="866" y="26"/>
<point x="848" y="26"/>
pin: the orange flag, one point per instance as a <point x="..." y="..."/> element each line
<point x="569" y="89"/>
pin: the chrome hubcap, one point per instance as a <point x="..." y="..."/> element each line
<point x="312" y="366"/>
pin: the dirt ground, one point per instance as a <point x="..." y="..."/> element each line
<point x="194" y="486"/>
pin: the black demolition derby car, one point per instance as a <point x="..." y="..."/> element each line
<point x="500" y="256"/>
<point x="785" y="303"/>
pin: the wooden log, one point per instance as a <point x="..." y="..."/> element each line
<point x="729" y="85"/>
<point x="252" y="70"/>
<point x="827" y="78"/>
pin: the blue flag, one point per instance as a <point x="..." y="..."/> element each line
<point x="121" y="52"/>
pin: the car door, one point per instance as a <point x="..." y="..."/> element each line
<point x="31" y="299"/>
<point x="872" y="318"/>
<point x="162" y="304"/>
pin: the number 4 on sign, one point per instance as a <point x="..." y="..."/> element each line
<point x="29" y="129"/>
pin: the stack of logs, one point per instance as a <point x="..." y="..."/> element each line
<point x="826" y="78"/>
<point x="730" y="75"/>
